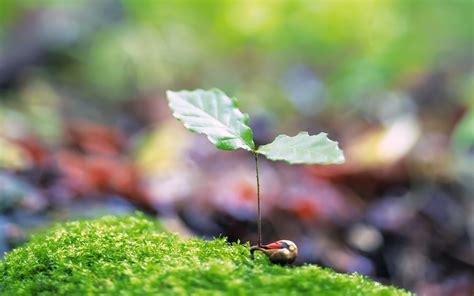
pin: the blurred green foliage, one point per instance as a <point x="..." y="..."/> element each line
<point x="356" y="48"/>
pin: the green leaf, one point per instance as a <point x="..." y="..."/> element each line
<point x="213" y="113"/>
<point x="303" y="149"/>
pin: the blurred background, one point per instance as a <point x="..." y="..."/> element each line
<point x="85" y="129"/>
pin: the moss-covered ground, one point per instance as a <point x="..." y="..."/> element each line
<point x="133" y="256"/>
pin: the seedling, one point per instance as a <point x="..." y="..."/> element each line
<point x="213" y="113"/>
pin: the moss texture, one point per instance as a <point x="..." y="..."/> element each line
<point x="133" y="256"/>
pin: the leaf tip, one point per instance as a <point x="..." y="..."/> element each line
<point x="341" y="158"/>
<point x="169" y="95"/>
<point x="303" y="133"/>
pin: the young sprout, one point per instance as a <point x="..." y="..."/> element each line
<point x="213" y="113"/>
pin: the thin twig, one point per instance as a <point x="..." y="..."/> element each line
<point x="259" y="217"/>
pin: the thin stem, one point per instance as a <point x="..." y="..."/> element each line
<point x="259" y="217"/>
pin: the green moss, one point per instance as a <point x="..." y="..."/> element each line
<point x="133" y="256"/>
